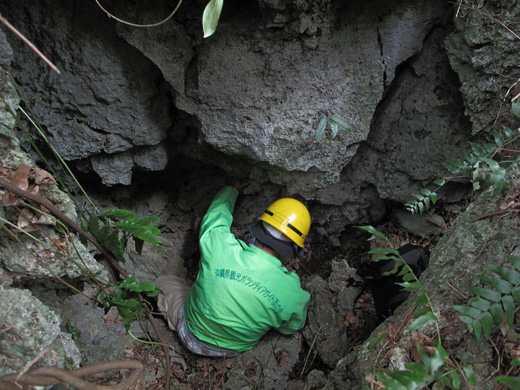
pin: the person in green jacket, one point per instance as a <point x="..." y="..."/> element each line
<point x="241" y="291"/>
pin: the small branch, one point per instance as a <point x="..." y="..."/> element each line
<point x="67" y="221"/>
<point x="140" y="25"/>
<point x="310" y="350"/>
<point x="28" y="366"/>
<point x="29" y="43"/>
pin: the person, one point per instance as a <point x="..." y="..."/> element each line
<point x="241" y="291"/>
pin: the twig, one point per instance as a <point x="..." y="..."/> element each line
<point x="28" y="366"/>
<point x="40" y="261"/>
<point x="461" y="294"/>
<point x="140" y="25"/>
<point x="30" y="44"/>
<point x="49" y="376"/>
<point x="72" y="225"/>
<point x="66" y="220"/>
<point x="310" y="350"/>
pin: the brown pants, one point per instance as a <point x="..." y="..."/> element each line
<point x="175" y="292"/>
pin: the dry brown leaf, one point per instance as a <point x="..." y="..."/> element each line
<point x="371" y="378"/>
<point x="42" y="177"/>
<point x="19" y="180"/>
<point x="351" y="319"/>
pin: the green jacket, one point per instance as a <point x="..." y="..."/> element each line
<point x="241" y="292"/>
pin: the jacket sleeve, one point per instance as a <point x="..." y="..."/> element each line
<point x="220" y="212"/>
<point x="297" y="320"/>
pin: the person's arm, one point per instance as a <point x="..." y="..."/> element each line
<point x="220" y="212"/>
<point x="298" y="318"/>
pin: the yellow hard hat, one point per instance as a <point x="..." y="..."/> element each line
<point x="290" y="217"/>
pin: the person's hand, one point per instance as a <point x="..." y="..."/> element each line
<point x="237" y="183"/>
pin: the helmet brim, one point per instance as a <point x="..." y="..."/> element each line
<point x="284" y="248"/>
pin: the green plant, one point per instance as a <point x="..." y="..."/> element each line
<point x="126" y="296"/>
<point x="333" y="123"/>
<point x="495" y="307"/>
<point x="211" y="16"/>
<point x="429" y="369"/>
<point x="491" y="306"/>
<point x="479" y="165"/>
<point x="114" y="228"/>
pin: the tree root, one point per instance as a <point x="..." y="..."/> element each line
<point x="48" y="376"/>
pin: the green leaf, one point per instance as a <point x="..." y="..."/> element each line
<point x="470" y="374"/>
<point x="410" y="286"/>
<point x="515" y="362"/>
<point x="148" y="220"/>
<point x="499" y="138"/>
<point x="419" y="368"/>
<point x="93" y="226"/>
<point x="508" y="274"/>
<point x="421" y="300"/>
<point x="509" y="308"/>
<point x="455" y="379"/>
<point x="147" y="233"/>
<point x="455" y="166"/>
<point x="372" y="230"/>
<point x="501" y="285"/>
<point x="516" y="294"/>
<point x="116" y="214"/>
<point x="515" y="108"/>
<point x="500" y="182"/>
<point x="487" y="324"/>
<point x="333" y="130"/>
<point x="468" y="311"/>
<point x="511" y="382"/>
<point x="438" y="359"/>
<point x="492" y="164"/>
<point x="211" y="16"/>
<point x="485" y="293"/>
<point x="433" y="197"/>
<point x="480" y="303"/>
<point x="320" y="129"/>
<point x="477" y="149"/>
<point x="510" y="135"/>
<point x="339" y="122"/>
<point x="498" y="313"/>
<point x="515" y="261"/>
<point x="439" y="182"/>
<point x="422" y="319"/>
<point x="477" y="327"/>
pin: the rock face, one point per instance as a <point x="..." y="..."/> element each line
<point x="462" y="253"/>
<point x="173" y="114"/>
<point x="257" y="89"/>
<point x="472" y="48"/>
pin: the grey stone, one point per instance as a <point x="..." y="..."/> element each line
<point x="422" y="225"/>
<point x="114" y="169"/>
<point x="32" y="330"/>
<point x="473" y="47"/>
<point x="463" y="252"/>
<point x="267" y="365"/>
<point x="106" y="98"/>
<point x="6" y="52"/>
<point x="151" y="158"/>
<point x="324" y="329"/>
<point x="103" y="335"/>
